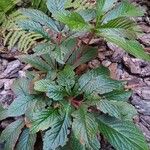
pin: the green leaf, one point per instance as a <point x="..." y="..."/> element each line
<point x="124" y="9"/>
<point x="131" y="46"/>
<point x="62" y="52"/>
<point x="80" y="56"/>
<point x="119" y="23"/>
<point x="73" y="20"/>
<point x="109" y="107"/>
<point x="66" y="77"/>
<point x="42" y="85"/>
<point x="55" y="92"/>
<point x="30" y="26"/>
<point x="120" y="110"/>
<point x="103" y="6"/>
<point x="57" y="135"/>
<point x="21" y="104"/>
<point x="36" y="62"/>
<point x="39" y="16"/>
<point x="122" y="135"/>
<point x="116" y="95"/>
<point x="55" y="6"/>
<point x="98" y="81"/>
<point x="11" y="134"/>
<point x="3" y="113"/>
<point x="85" y="129"/>
<point x="26" y="140"/>
<point x="21" y="87"/>
<point x="44" y="119"/>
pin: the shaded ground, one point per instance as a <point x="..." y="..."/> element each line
<point x="122" y="67"/>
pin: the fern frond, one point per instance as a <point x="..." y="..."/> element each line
<point x="15" y="36"/>
<point x="22" y="39"/>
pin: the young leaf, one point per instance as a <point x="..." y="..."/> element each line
<point x="66" y="77"/>
<point x="44" y="119"/>
<point x="97" y="80"/>
<point x="122" y="135"/>
<point x="57" y="135"/>
<point x="73" y="20"/>
<point x="55" y="92"/>
<point x="26" y="140"/>
<point x="11" y="134"/>
<point x="85" y="129"/>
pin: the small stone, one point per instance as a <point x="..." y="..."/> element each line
<point x="11" y="69"/>
<point x="118" y="52"/>
<point x="145" y="131"/>
<point x="145" y="121"/>
<point x="6" y="97"/>
<point x="113" y="70"/>
<point x="101" y="56"/>
<point x="144" y="93"/>
<point x="142" y="106"/>
<point x="145" y="39"/>
<point x="106" y="63"/>
<point x="8" y="83"/>
<point x="145" y="28"/>
<point x="133" y="64"/>
<point x="147" y="81"/>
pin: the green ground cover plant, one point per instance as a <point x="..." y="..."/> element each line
<point x="70" y="110"/>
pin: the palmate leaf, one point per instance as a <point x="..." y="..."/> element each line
<point x="57" y="135"/>
<point x="44" y="119"/>
<point x="11" y="134"/>
<point x="122" y="135"/>
<point x="85" y="129"/>
<point x="98" y="81"/>
<point x="26" y="140"/>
